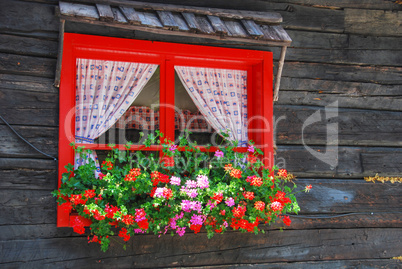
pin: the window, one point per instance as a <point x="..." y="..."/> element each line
<point x="179" y="98"/>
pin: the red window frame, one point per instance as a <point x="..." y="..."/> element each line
<point x="259" y="66"/>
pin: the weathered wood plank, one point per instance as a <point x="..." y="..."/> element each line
<point x="339" y="221"/>
<point x="25" y="163"/>
<point x="149" y="19"/>
<point x="126" y="262"/>
<point x="29" y="108"/>
<point x="205" y="26"/>
<point x="28" y="100"/>
<point x="342" y="162"/>
<point x="31" y="19"/>
<point x="27" y="207"/>
<point x="218" y="25"/>
<point x="300" y="17"/>
<point x="166" y="17"/>
<point x="105" y="12"/>
<point x="315" y="98"/>
<point x="281" y="33"/>
<point x="28" y="46"/>
<point x="373" y="22"/>
<point x="306" y="39"/>
<point x="252" y="28"/>
<point x="88" y="12"/>
<point x="370" y="263"/>
<point x="27" y="65"/>
<point x="43" y="138"/>
<point x="236" y="28"/>
<point x="29" y="179"/>
<point x="191" y="21"/>
<point x="31" y="117"/>
<point x="95" y="29"/>
<point x="27" y="83"/>
<point x="366" y="4"/>
<point x="131" y="15"/>
<point x="118" y="16"/>
<point x="195" y="250"/>
<point x="295" y="91"/>
<point x="374" y="42"/>
<point x="355" y="127"/>
<point x="340" y="196"/>
<point x="351" y="73"/>
<point x="180" y="22"/>
<point x="343" y="56"/>
<point x="24" y="232"/>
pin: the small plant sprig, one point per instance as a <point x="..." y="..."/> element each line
<point x="186" y="188"/>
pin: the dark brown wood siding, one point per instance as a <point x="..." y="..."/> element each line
<point x="343" y="51"/>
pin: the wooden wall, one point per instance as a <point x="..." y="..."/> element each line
<point x="346" y="51"/>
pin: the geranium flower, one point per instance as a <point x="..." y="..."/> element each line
<point x="287" y="220"/>
<point x="230" y="202"/>
<point x="218" y="154"/>
<point x="191" y="184"/>
<point x="217" y="197"/>
<point x="256" y="181"/>
<point x="90" y="194"/>
<point x="197" y="219"/>
<point x="276" y="206"/>
<point x="282" y="173"/>
<point x="250" y="149"/>
<point x="236" y="173"/>
<point x="202" y="181"/>
<point x="78" y="226"/>
<point x="167" y="193"/>
<point x="133" y="174"/>
<point x="173" y="147"/>
<point x="123" y="233"/>
<point x="175" y="181"/>
<point x="248" y="195"/>
<point x="228" y="167"/>
<point x="128" y="219"/>
<point x="259" y="205"/>
<point x="239" y="211"/>
<point x="308" y="188"/>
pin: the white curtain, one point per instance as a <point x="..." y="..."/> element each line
<point x="104" y="91"/>
<point x="221" y="96"/>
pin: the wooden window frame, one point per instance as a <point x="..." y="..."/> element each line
<point x="259" y="66"/>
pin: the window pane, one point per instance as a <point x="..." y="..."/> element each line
<point x="211" y="101"/>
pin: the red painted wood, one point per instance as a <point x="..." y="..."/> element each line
<point x="151" y="148"/>
<point x="257" y="63"/>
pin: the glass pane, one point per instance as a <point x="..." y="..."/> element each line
<point x="211" y="101"/>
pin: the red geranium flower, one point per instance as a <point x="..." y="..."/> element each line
<point x="248" y="195"/>
<point x="133" y="174"/>
<point x="259" y="205"/>
<point x="287" y="220"/>
<point x="123" y="233"/>
<point x="283" y="173"/>
<point x="218" y="197"/>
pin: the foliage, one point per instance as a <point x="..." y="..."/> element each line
<point x="186" y="189"/>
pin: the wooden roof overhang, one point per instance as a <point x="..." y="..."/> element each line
<point x="246" y="27"/>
